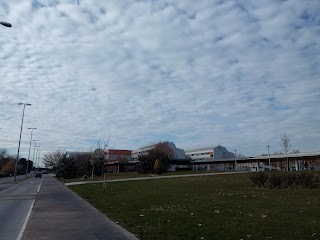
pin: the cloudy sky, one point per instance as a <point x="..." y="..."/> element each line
<point x="197" y="73"/>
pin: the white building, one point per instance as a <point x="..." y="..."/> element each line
<point x="209" y="153"/>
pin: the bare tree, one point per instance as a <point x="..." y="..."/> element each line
<point x="97" y="155"/>
<point x="164" y="148"/>
<point x="295" y="151"/>
<point x="52" y="159"/>
<point x="285" y="142"/>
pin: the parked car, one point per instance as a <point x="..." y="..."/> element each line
<point x="38" y="174"/>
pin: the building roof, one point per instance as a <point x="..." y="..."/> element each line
<point x="200" y="149"/>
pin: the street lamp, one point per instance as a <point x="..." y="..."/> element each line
<point x="269" y="158"/>
<point x="235" y="159"/>
<point x="27" y="167"/>
<point x="38" y="162"/>
<point x="6" y="24"/>
<point x="34" y="150"/>
<point x="15" y="168"/>
<point x="37" y="156"/>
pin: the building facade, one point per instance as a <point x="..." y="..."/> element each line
<point x="175" y="153"/>
<point x="119" y="160"/>
<point x="209" y="153"/>
<point x="201" y="158"/>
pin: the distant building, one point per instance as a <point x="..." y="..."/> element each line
<point x="119" y="160"/>
<point x="75" y="154"/>
<point x="177" y="153"/>
<point x="209" y="153"/>
<point x="201" y="158"/>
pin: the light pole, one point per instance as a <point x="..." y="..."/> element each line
<point x="27" y="167"/>
<point x="15" y="168"/>
<point x="6" y="24"/>
<point x="37" y="157"/>
<point x="38" y="162"/>
<point x="235" y="159"/>
<point x="37" y="154"/>
<point x="34" y="150"/>
<point x="269" y="158"/>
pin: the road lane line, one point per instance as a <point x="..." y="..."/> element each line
<point x="25" y="221"/>
<point x="40" y="186"/>
<point x="28" y="216"/>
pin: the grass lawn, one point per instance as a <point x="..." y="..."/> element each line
<point x="207" y="207"/>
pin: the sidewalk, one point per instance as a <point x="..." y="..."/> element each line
<point x="58" y="213"/>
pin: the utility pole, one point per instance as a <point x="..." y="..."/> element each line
<point x="235" y="159"/>
<point x="27" y="166"/>
<point x="269" y="158"/>
<point x="15" y="168"/>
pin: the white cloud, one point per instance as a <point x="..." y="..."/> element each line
<point x="236" y="73"/>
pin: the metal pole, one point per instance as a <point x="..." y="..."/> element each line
<point x="27" y="167"/>
<point x="235" y="159"/>
<point x="15" y="167"/>
<point x="34" y="151"/>
<point x="269" y="158"/>
<point x="39" y="160"/>
<point x="36" y="162"/>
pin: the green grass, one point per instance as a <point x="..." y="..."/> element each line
<point x="122" y="175"/>
<point x="207" y="207"/>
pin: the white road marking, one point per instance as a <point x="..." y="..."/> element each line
<point x="40" y="186"/>
<point x="28" y="216"/>
<point x="25" y="221"/>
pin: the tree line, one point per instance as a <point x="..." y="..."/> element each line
<point x="93" y="162"/>
<point x="8" y="162"/>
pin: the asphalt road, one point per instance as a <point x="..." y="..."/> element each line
<point x="10" y="179"/>
<point x="60" y="214"/>
<point x="15" y="203"/>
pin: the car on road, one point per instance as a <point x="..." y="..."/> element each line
<point x="38" y="174"/>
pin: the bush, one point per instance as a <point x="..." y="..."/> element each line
<point x="158" y="167"/>
<point x="286" y="180"/>
<point x="290" y="180"/>
<point x="66" y="168"/>
<point x="275" y="180"/>
<point x="308" y="180"/>
<point x="259" y="179"/>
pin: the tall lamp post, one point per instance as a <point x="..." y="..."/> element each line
<point x="269" y="158"/>
<point x="6" y="24"/>
<point x="37" y="155"/>
<point x="34" y="150"/>
<point x="27" y="167"/>
<point x="38" y="162"/>
<point x="15" y="168"/>
<point x="235" y="159"/>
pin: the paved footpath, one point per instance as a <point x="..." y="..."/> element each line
<point x="59" y="213"/>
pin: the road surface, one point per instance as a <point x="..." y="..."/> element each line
<point x="10" y="179"/>
<point x="154" y="177"/>
<point x="60" y="214"/>
<point x="15" y="203"/>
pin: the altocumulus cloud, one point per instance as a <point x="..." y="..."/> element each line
<point x="198" y="73"/>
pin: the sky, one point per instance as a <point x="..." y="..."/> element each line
<point x="196" y="73"/>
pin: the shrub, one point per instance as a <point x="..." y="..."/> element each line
<point x="308" y="180"/>
<point x="289" y="180"/>
<point x="158" y="167"/>
<point x="275" y="180"/>
<point x="259" y="179"/>
<point x="286" y="180"/>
